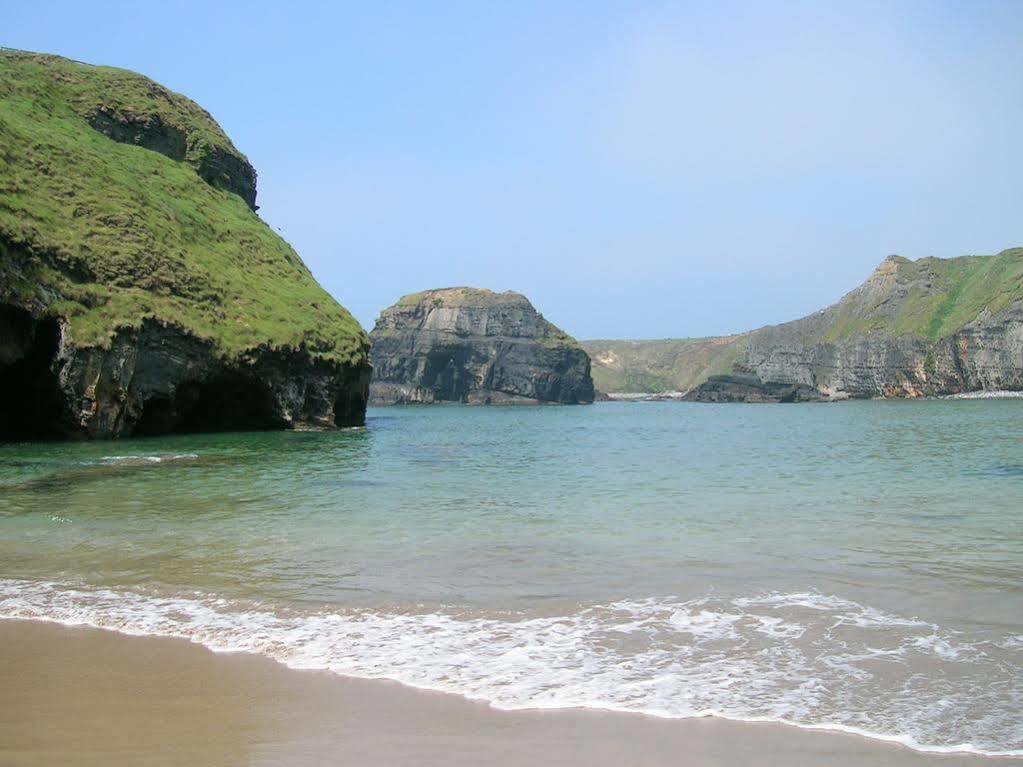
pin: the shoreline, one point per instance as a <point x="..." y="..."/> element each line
<point x="96" y="696"/>
<point x="680" y="396"/>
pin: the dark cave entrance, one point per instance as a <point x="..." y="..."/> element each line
<point x="350" y="408"/>
<point x="444" y="372"/>
<point x="31" y="405"/>
<point x="227" y="402"/>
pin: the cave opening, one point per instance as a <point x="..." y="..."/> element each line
<point x="31" y="404"/>
<point x="350" y="408"/>
<point x="227" y="402"/>
<point x="444" y="373"/>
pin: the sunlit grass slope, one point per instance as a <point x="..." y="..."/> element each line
<point x="109" y="233"/>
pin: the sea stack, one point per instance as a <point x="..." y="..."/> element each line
<point x="139" y="291"/>
<point x="476" y="346"/>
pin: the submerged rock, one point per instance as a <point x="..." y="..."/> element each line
<point x="476" y="346"/>
<point x="139" y="291"/>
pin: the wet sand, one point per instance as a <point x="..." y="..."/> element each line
<point x="89" y="697"/>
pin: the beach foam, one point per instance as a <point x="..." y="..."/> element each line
<point x="804" y="659"/>
<point x="109" y="460"/>
<point x="991" y="394"/>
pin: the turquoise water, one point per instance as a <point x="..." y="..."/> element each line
<point x="852" y="565"/>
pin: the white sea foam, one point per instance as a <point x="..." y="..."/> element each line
<point x="992" y="394"/>
<point x="809" y="660"/>
<point x="143" y="459"/>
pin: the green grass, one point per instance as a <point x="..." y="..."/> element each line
<point x="108" y="234"/>
<point x="936" y="297"/>
<point x="991" y="284"/>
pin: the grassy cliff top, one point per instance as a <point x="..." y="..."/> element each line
<point x="121" y="201"/>
<point x="929" y="298"/>
<point x="473" y="299"/>
<point x="464" y="296"/>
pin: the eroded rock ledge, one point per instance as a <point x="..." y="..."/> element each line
<point x="161" y="380"/>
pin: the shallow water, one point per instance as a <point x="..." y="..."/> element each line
<point x="853" y="565"/>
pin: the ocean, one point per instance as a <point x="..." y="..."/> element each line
<point x="855" y="566"/>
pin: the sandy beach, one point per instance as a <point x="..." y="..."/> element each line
<point x="90" y="697"/>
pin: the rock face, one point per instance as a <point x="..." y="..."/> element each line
<point x="139" y="292"/>
<point x="476" y="346"/>
<point x="160" y="380"/>
<point x="220" y="166"/>
<point x="914" y="328"/>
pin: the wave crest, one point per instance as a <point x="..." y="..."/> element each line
<point x="804" y="659"/>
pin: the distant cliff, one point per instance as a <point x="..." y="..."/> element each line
<point x="914" y="328"/>
<point x="476" y="346"/>
<point x="663" y="365"/>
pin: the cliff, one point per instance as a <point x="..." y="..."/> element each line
<point x="476" y="346"/>
<point x="139" y="291"/>
<point x="914" y="328"/>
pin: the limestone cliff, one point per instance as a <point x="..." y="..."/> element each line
<point x="476" y="346"/>
<point x="914" y="328"/>
<point x="139" y="291"/>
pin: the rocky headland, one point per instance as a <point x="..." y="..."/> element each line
<point x="139" y="291"/>
<point x="932" y="327"/>
<point x="476" y="346"/>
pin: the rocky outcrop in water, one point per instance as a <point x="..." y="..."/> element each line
<point x="476" y="346"/>
<point x="914" y="328"/>
<point x="139" y="291"/>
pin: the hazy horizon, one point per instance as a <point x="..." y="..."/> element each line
<point x="650" y="171"/>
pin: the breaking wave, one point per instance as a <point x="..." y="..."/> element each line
<point x="805" y="659"/>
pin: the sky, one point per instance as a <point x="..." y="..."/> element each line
<point x="637" y="169"/>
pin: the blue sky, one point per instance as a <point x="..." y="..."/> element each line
<point x="637" y="169"/>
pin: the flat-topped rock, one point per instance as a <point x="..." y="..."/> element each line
<point x="477" y="346"/>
